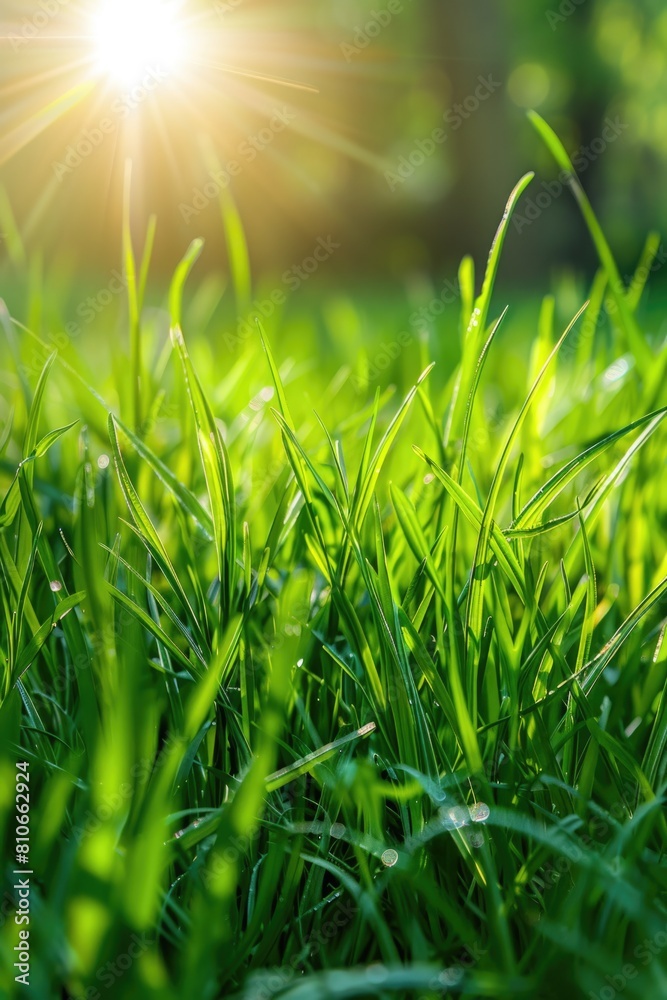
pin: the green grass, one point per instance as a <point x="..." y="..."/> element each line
<point x="329" y="690"/>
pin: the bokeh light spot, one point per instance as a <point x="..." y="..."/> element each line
<point x="529" y="85"/>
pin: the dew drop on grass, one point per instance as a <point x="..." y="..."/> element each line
<point x="475" y="838"/>
<point x="376" y="973"/>
<point x="337" y="830"/>
<point x="451" y="976"/>
<point x="457" y="817"/>
<point x="103" y="462"/>
<point x="474" y="319"/>
<point x="616" y="371"/>
<point x="389" y="858"/>
<point x="480" y="812"/>
<point x="55" y="586"/>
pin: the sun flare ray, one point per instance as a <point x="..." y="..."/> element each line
<point x="131" y="39"/>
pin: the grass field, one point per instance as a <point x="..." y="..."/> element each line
<point x="336" y="674"/>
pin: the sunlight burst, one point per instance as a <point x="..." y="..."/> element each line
<point x="134" y="38"/>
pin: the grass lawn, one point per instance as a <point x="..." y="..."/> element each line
<point x="327" y="672"/>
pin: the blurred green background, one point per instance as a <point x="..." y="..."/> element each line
<point x="387" y="74"/>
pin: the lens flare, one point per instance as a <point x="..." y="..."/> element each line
<point x="134" y="37"/>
